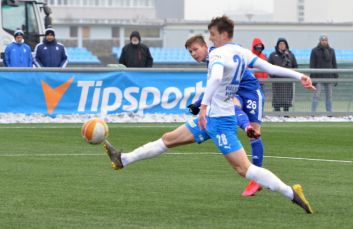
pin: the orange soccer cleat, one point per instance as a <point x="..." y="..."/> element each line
<point x="251" y="189"/>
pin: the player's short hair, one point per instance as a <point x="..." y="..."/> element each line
<point x="199" y="39"/>
<point x="223" y="24"/>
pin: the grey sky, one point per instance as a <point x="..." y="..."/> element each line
<point x="206" y="9"/>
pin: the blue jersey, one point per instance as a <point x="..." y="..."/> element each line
<point x="249" y="82"/>
<point x="251" y="97"/>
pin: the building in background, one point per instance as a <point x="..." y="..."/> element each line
<point x="170" y="9"/>
<point x="103" y="9"/>
<point x="101" y="25"/>
<point x="309" y="11"/>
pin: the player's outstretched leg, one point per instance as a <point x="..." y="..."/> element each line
<point x="269" y="180"/>
<point x="300" y="199"/>
<point x="114" y="155"/>
<point x="149" y="150"/>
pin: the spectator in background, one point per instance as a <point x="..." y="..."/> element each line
<point x="323" y="56"/>
<point x="257" y="48"/>
<point x="50" y="53"/>
<point x="282" y="92"/>
<point x="18" y="53"/>
<point x="135" y="54"/>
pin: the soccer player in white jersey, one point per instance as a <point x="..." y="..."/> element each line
<point x="227" y="62"/>
<point x="248" y="106"/>
<point x="227" y="65"/>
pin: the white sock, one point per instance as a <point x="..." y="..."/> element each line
<point x="269" y="180"/>
<point x="149" y="150"/>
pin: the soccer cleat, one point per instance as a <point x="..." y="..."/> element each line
<point x="251" y="132"/>
<point x="114" y="155"/>
<point x="300" y="200"/>
<point x="251" y="189"/>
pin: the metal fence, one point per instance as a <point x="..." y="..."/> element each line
<point x="301" y="103"/>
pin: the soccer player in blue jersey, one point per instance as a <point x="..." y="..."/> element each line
<point x="217" y="116"/>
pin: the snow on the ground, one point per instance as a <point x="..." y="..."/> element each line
<point x="6" y="118"/>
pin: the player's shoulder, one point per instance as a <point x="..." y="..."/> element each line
<point x="220" y="51"/>
<point x="236" y="48"/>
<point x="215" y="55"/>
<point x="230" y="48"/>
<point x="244" y="50"/>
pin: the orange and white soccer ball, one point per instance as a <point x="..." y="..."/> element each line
<point x="95" y="131"/>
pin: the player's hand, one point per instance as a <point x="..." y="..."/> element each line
<point x="307" y="83"/>
<point x="202" y="117"/>
<point x="252" y="133"/>
<point x="193" y="109"/>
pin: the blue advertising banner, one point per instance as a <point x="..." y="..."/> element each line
<point x="53" y="93"/>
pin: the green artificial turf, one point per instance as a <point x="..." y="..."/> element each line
<point x="50" y="178"/>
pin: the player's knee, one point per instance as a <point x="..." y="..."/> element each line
<point x="168" y="138"/>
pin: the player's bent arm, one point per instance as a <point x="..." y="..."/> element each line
<point x="285" y="72"/>
<point x="213" y="82"/>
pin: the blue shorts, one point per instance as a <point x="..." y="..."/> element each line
<point x="199" y="135"/>
<point x="222" y="130"/>
<point x="252" y="103"/>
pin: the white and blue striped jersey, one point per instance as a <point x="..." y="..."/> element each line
<point x="234" y="61"/>
<point x="248" y="82"/>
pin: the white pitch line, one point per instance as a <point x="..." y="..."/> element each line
<point x="51" y="155"/>
<point x="277" y="157"/>
<point x="77" y="126"/>
<point x="176" y="153"/>
<point x="309" y="159"/>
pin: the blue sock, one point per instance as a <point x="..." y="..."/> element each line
<point x="257" y="150"/>
<point x="242" y="118"/>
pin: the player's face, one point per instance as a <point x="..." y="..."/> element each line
<point x="198" y="51"/>
<point x="216" y="37"/>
